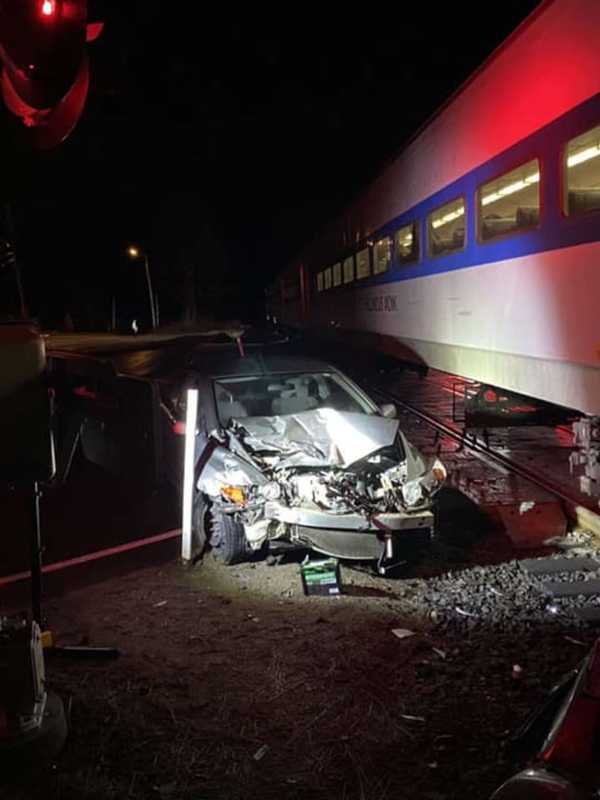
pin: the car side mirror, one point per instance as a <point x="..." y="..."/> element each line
<point x="388" y="410"/>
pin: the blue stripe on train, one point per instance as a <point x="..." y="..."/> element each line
<point x="555" y="231"/>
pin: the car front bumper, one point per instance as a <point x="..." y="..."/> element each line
<point x="351" y="536"/>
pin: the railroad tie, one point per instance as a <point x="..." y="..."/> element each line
<point x="572" y="585"/>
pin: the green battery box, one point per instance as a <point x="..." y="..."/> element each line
<point x="321" y="577"/>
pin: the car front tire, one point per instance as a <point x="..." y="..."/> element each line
<point x="227" y="539"/>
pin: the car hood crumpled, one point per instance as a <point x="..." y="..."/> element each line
<point x="320" y="438"/>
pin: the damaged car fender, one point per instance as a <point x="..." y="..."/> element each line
<point x="224" y="470"/>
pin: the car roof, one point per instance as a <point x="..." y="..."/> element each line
<point x="261" y="363"/>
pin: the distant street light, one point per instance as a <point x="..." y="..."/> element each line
<point x="134" y="252"/>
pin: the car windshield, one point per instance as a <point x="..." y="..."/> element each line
<point x="272" y="395"/>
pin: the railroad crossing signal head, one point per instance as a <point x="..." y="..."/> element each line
<point x="43" y="58"/>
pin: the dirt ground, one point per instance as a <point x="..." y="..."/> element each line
<point x="232" y="684"/>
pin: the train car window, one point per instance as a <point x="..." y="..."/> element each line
<point x="363" y="263"/>
<point x="337" y="273"/>
<point x="582" y="173"/>
<point x="319" y="282"/>
<point x="407" y="243"/>
<point x="446" y="228"/>
<point x="327" y="278"/>
<point x="349" y="269"/>
<point x="383" y="255"/>
<point x="510" y="203"/>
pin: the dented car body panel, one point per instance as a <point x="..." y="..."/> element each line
<point x="324" y="437"/>
<point x="225" y="468"/>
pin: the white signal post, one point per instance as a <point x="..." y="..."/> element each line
<point x="189" y="464"/>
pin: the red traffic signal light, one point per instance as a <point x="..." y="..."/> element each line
<point x="48" y="8"/>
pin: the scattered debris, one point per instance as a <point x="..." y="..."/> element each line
<point x="402" y="633"/>
<point x="574" y="641"/>
<point x="526" y="505"/>
<point x="440" y="653"/>
<point x="464" y="613"/>
<point x="572" y="539"/>
<point x="159" y="605"/>
<point x="508" y="598"/>
<point x="517" y="671"/>
<point x="166" y="789"/>
<point x="261" y="752"/>
<point x="412" y="718"/>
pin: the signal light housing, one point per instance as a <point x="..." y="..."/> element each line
<point x="45" y="75"/>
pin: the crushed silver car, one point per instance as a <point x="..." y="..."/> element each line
<point x="304" y="457"/>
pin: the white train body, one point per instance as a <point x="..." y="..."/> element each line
<point x="512" y="307"/>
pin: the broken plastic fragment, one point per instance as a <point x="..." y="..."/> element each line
<point x="261" y="752"/>
<point x="526" y="505"/>
<point x="573" y="641"/>
<point x="464" y="613"/>
<point x="402" y="633"/>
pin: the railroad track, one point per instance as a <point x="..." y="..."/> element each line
<point x="568" y="583"/>
<point x="578" y="509"/>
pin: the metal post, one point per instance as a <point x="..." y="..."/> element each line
<point x="150" y="292"/>
<point x="157" y="310"/>
<point x="36" y="556"/>
<point x="188" y="474"/>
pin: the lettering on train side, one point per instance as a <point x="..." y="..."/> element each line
<point x="381" y="302"/>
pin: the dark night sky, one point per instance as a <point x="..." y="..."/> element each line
<point x="227" y="140"/>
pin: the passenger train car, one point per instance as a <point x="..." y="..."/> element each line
<point x="478" y="250"/>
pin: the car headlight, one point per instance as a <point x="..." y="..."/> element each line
<point x="412" y="492"/>
<point x="271" y="491"/>
<point x="439" y="471"/>
<point x="419" y="489"/>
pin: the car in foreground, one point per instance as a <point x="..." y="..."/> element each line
<point x="558" y="743"/>
<point x="291" y="452"/>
